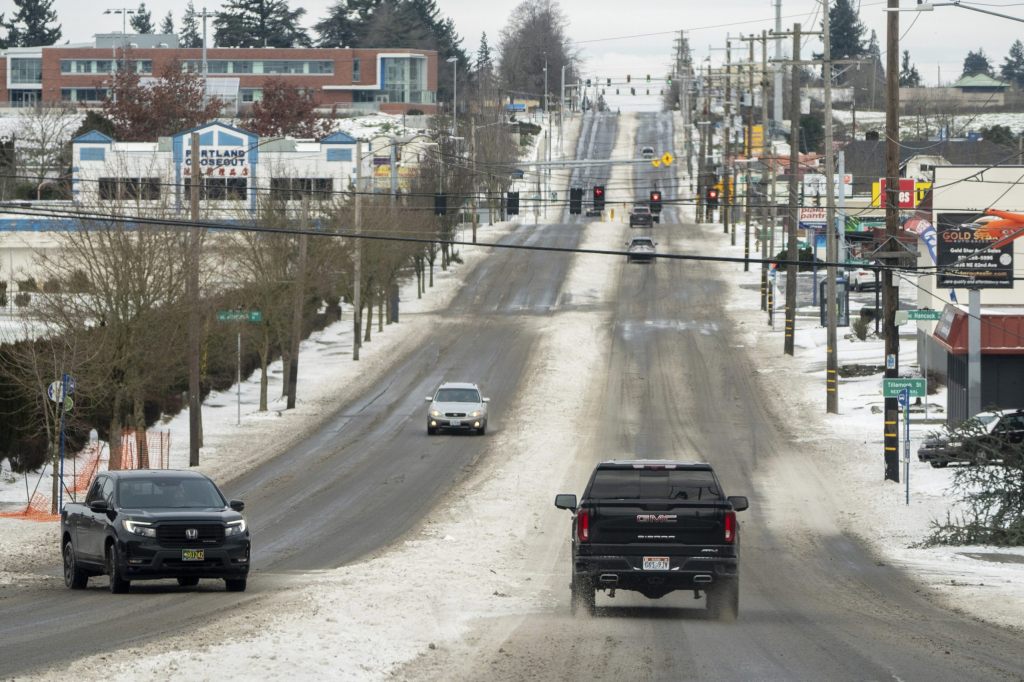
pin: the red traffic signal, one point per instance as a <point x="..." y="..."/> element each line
<point x="712" y="194"/>
<point x="655" y="196"/>
<point x="599" y="191"/>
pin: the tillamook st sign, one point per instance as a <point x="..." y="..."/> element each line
<point x="964" y="253"/>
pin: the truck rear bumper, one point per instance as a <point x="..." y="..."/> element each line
<point x="627" y="573"/>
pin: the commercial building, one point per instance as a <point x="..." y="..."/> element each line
<point x="389" y="80"/>
<point x="236" y="169"/>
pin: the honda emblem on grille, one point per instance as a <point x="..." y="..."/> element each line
<point x="191" y="533"/>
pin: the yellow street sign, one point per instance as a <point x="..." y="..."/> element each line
<point x="656" y="163"/>
<point x="667" y="158"/>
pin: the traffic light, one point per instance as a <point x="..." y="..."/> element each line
<point x="712" y="197"/>
<point x="512" y="203"/>
<point x="588" y="82"/>
<point x="669" y="80"/>
<point x="599" y="197"/>
<point x="655" y="201"/>
<point x="575" y="200"/>
<point x="627" y="77"/>
<point x="609" y="82"/>
<point x="648" y="78"/>
<point x="632" y="91"/>
<point x="440" y="204"/>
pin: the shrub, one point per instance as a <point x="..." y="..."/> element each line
<point x="414" y="112"/>
<point x="52" y="286"/>
<point x="22" y="299"/>
<point x="860" y="327"/>
<point x="28" y="285"/>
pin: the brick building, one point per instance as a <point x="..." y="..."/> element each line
<point x="390" y="80"/>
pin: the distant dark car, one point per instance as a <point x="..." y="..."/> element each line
<point x="148" y="524"/>
<point x="986" y="437"/>
<point x="641" y="216"/>
<point x="593" y="212"/>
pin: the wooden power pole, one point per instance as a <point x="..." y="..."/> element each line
<point x="890" y="299"/>
<point x="195" y="404"/>
<point x="792" y="255"/>
<point x="357" y="275"/>
<point x="831" y="237"/>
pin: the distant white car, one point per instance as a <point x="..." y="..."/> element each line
<point x="457" y="406"/>
<point x="862" y="278"/>
<point x="641" y="250"/>
<point x="647" y="152"/>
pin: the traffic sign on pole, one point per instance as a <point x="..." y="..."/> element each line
<point x="891" y="388"/>
<point x="240" y="316"/>
<point x="924" y="314"/>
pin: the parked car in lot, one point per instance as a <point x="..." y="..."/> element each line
<point x="593" y="212"/>
<point x="149" y="524"/>
<point x="985" y="437"/>
<point x="861" y="277"/>
<point x="654" y="527"/>
<point x="457" y="406"/>
<point x="641" y="216"/>
<point x="647" y="152"/>
<point x="641" y="250"/>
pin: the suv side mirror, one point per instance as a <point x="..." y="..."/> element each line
<point x="236" y="505"/>
<point x="487" y="400"/>
<point x="739" y="503"/>
<point x="429" y="399"/>
<point x="565" y="501"/>
<point x="99" y="506"/>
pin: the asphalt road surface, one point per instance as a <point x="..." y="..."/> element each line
<point x="368" y="476"/>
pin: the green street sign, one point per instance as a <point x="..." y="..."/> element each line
<point x="924" y="314"/>
<point x="891" y="387"/>
<point x="239" y="315"/>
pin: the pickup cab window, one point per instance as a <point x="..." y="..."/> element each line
<point x="631" y="484"/>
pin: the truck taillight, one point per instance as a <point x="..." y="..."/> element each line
<point x="730" y="527"/>
<point x="583" y="525"/>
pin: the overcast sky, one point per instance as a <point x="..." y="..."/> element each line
<point x="619" y="37"/>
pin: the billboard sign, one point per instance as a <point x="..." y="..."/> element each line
<point x="965" y="256"/>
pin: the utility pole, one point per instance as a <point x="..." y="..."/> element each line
<point x="831" y="250"/>
<point x="472" y="158"/>
<point x="750" y="153"/>
<point x="890" y="298"/>
<point x="727" y="197"/>
<point x="297" y="297"/>
<point x="195" y="405"/>
<point x="792" y="255"/>
<point x="777" y="89"/>
<point x="357" y="277"/>
<point x="768" y="173"/>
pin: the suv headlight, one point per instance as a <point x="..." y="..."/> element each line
<point x="435" y="413"/>
<point x="476" y="413"/>
<point x="235" y="528"/>
<point x="142" y="528"/>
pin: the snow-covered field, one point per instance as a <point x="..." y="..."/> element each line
<point x="349" y="623"/>
<point x="924" y="126"/>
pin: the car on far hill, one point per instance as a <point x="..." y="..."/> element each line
<point x="457" y="406"/>
<point x="641" y="250"/>
<point x="647" y="152"/>
<point x="641" y="216"/>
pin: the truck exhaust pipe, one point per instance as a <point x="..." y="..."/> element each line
<point x="609" y="579"/>
<point x="702" y="579"/>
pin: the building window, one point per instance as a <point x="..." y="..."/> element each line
<point x="296" y="189"/>
<point x="93" y="154"/>
<point x="356" y="75"/>
<point x="286" y="67"/>
<point x="339" y="154"/>
<point x="250" y="94"/>
<point x="83" y="94"/>
<point x="220" y="189"/>
<point x="26" y="70"/>
<point x="129" y="189"/>
<point x="142" y="66"/>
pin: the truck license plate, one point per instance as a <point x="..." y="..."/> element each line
<point x="193" y="555"/>
<point x="656" y="563"/>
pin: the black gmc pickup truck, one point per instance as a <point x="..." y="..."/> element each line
<point x="655" y="526"/>
<point x="148" y="524"/>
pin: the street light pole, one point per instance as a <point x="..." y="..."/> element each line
<point x="890" y="300"/>
<point x="124" y="12"/>
<point x="455" y="93"/>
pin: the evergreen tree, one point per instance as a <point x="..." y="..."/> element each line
<point x="345" y="23"/>
<point x="142" y="20"/>
<point x="3" y="40"/>
<point x="167" y="25"/>
<point x="29" y="25"/>
<point x="977" y="63"/>
<point x="909" y="77"/>
<point x="260" y="23"/>
<point x="846" y="31"/>
<point x="190" y="35"/>
<point x="1013" y="66"/>
<point x="484" y="63"/>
